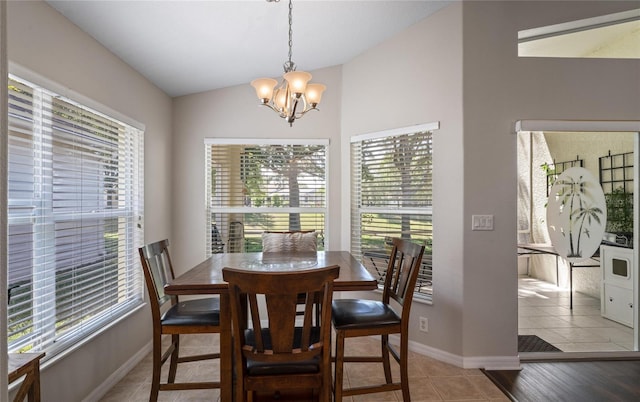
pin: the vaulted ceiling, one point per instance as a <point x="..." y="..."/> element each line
<point x="187" y="46"/>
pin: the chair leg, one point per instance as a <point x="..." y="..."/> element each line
<point x="404" y="371"/>
<point x="157" y="367"/>
<point x="173" y="364"/>
<point x="339" y="364"/>
<point x="324" y="393"/>
<point x="325" y="389"/>
<point x="385" y="358"/>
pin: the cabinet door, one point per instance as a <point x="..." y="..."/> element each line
<point x="617" y="304"/>
<point x="617" y="265"/>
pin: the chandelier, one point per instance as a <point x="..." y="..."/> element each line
<point x="294" y="96"/>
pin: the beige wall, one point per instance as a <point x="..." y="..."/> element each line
<point x="234" y="112"/>
<point x="43" y="41"/>
<point x="418" y="76"/>
<point x="499" y="89"/>
<point x="460" y="67"/>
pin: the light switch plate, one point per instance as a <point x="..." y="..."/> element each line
<point x="481" y="222"/>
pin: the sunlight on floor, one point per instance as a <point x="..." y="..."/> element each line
<point x="543" y="310"/>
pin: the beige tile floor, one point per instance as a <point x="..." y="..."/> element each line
<point x="543" y="310"/>
<point x="430" y="379"/>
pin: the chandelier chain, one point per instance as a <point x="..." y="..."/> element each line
<point x="290" y="31"/>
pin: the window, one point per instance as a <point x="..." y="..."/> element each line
<point x="616" y="179"/>
<point x="256" y="186"/>
<point x="391" y="196"/>
<point x="75" y="219"/>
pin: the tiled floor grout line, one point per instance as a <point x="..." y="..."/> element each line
<point x="544" y="311"/>
<point x="430" y="379"/>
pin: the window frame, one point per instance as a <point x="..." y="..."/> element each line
<point x="213" y="207"/>
<point x="357" y="209"/>
<point x="130" y="169"/>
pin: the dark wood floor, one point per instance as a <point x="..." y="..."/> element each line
<point x="576" y="381"/>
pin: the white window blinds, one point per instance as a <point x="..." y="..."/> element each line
<point x="391" y="197"/>
<point x="256" y="186"/>
<point x="75" y="194"/>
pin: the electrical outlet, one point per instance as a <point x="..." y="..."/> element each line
<point x="424" y="324"/>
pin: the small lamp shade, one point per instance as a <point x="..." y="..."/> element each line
<point x="264" y="88"/>
<point x="280" y="99"/>
<point x="297" y="81"/>
<point x="314" y="94"/>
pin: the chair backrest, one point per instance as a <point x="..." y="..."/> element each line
<point x="9" y="290"/>
<point x="278" y="334"/>
<point x="236" y="237"/>
<point x="158" y="271"/>
<point x="217" y="246"/>
<point x="280" y="242"/>
<point x="402" y="272"/>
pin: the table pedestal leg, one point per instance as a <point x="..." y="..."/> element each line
<point x="570" y="286"/>
<point x="226" y="353"/>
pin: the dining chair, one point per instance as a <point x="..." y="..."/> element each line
<point x="362" y="317"/>
<point x="174" y="317"/>
<point x="217" y="246"/>
<point x="10" y="291"/>
<point x="236" y="237"/>
<point x="281" y="350"/>
<point x="291" y="241"/>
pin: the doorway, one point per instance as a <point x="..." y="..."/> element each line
<point x="565" y="306"/>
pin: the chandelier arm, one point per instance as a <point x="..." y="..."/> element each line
<point x="305" y="107"/>
<point x="292" y="113"/>
<point x="270" y="106"/>
<point x="305" y="112"/>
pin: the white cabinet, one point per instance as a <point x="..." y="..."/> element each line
<point x="617" y="284"/>
<point x="617" y="304"/>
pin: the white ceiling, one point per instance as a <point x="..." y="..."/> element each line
<point x="187" y="46"/>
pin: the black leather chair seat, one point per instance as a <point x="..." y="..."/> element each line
<point x="264" y="368"/>
<point x="193" y="312"/>
<point x="354" y="313"/>
<point x="289" y="367"/>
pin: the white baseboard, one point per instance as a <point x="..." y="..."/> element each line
<point x="118" y="375"/>
<point x="493" y="362"/>
<point x="478" y="362"/>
